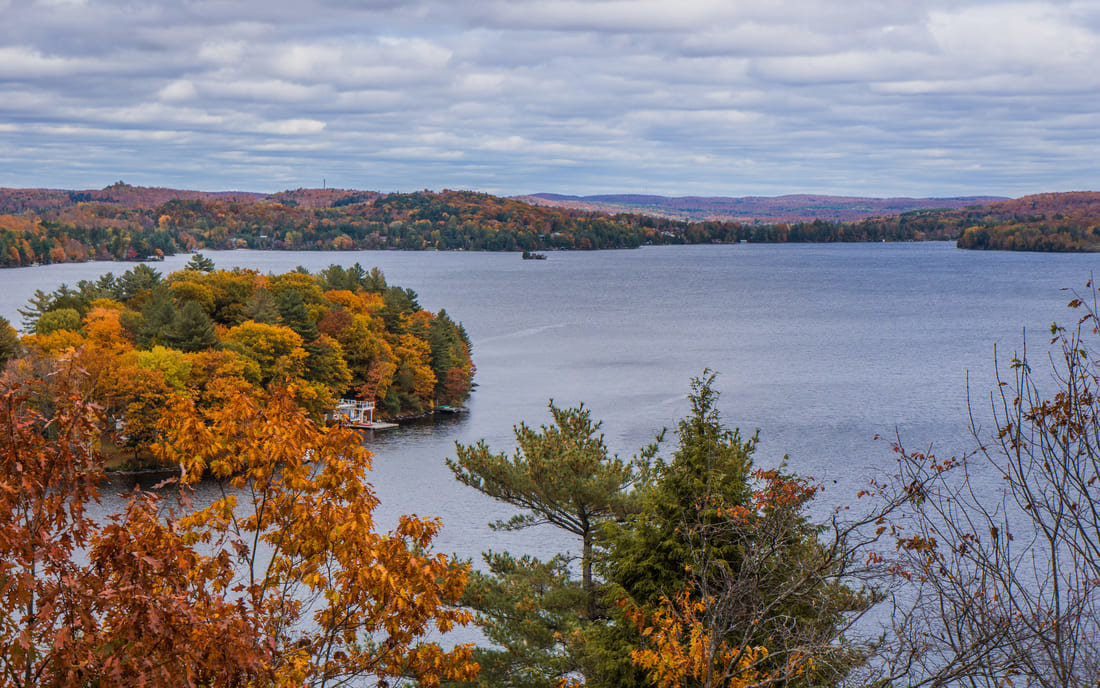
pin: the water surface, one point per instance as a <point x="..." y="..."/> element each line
<point x="820" y="347"/>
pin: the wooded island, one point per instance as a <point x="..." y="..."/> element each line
<point x="144" y="339"/>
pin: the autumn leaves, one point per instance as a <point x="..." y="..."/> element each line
<point x="282" y="582"/>
<point x="202" y="334"/>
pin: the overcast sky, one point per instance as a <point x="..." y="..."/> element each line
<point x="677" y="97"/>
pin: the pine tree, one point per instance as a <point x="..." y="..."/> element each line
<point x="261" y="308"/>
<point x="158" y="317"/>
<point x="191" y="329"/>
<point x="559" y="475"/>
<point x="199" y="263"/>
<point x="724" y="552"/>
<point x="136" y="280"/>
<point x="36" y="306"/>
<point x="293" y="314"/>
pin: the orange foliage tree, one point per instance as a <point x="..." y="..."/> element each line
<point x="84" y="602"/>
<point x="337" y="599"/>
<point x="682" y="648"/>
<point x="294" y="588"/>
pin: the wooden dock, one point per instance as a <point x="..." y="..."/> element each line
<point x="353" y="413"/>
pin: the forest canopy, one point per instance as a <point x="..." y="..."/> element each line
<point x="123" y="222"/>
<point x="146" y="340"/>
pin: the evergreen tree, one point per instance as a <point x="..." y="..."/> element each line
<point x="66" y="297"/>
<point x="375" y="281"/>
<point x="137" y="279"/>
<point x="559" y="475"/>
<point x="336" y="277"/>
<point x="199" y="263"/>
<point x="733" y="547"/>
<point x="106" y="287"/>
<point x="191" y="329"/>
<point x="9" y="342"/>
<point x="398" y="302"/>
<point x="36" y="306"/>
<point x="528" y="610"/>
<point x="293" y="314"/>
<point x="325" y="364"/>
<point x="450" y="352"/>
<point x="708" y="472"/>
<point x="158" y="319"/>
<point x="261" y="308"/>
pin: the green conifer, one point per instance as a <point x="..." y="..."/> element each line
<point x="191" y="329"/>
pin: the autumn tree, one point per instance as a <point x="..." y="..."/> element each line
<point x="87" y="602"/>
<point x="135" y="390"/>
<point x="335" y="598"/>
<point x="276" y="350"/>
<point x="284" y="581"/>
<point x="47" y="484"/>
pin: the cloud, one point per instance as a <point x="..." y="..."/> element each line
<point x="699" y="96"/>
<point x="292" y="127"/>
<point x="222" y="52"/>
<point x="27" y="62"/>
<point x="178" y="90"/>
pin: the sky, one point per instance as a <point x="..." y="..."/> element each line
<point x="675" y="97"/>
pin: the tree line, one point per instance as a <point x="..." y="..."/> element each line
<point x="131" y="223"/>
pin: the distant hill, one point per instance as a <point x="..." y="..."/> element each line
<point x="790" y="208"/>
<point x="19" y="201"/>
<point x="124" y="222"/>
<point x="1059" y="222"/>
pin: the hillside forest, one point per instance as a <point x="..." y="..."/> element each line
<point x="144" y="339"/>
<point x="122" y="222"/>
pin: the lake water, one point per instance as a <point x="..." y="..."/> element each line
<point x="820" y="347"/>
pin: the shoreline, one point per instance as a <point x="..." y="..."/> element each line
<point x="176" y="471"/>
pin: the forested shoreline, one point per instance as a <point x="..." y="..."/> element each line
<point x="122" y="222"/>
<point x="144" y="339"/>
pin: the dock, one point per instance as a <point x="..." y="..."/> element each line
<point x="353" y="413"/>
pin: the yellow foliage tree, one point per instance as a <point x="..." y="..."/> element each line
<point x="336" y="598"/>
<point x="277" y="350"/>
<point x="361" y="303"/>
<point x="414" y="369"/>
<point x="682" y="650"/>
<point x="369" y="357"/>
<point x="54" y="343"/>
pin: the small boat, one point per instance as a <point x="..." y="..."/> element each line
<point x="530" y="255"/>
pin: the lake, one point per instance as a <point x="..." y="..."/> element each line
<point x="819" y="346"/>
